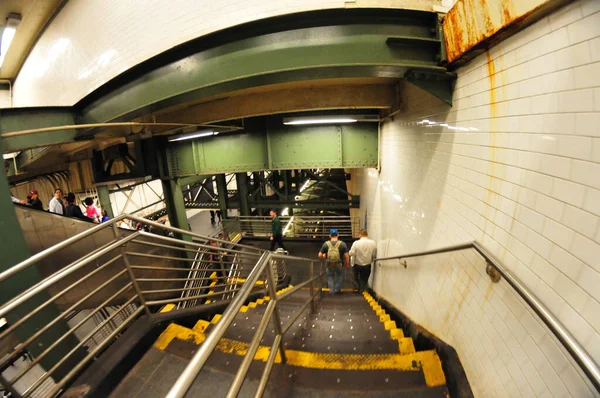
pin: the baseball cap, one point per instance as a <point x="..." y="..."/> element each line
<point x="33" y="192"/>
<point x="333" y="232"/>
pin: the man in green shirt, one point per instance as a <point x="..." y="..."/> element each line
<point x="276" y="234"/>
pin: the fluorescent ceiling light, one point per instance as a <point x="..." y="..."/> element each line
<point x="8" y="34"/>
<point x="318" y="120"/>
<point x="192" y="136"/>
<point x="7" y="37"/>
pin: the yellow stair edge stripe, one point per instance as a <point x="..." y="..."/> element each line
<point x="406" y="345"/>
<point x="176" y="331"/>
<point x="427" y="361"/>
<point x="253" y="304"/>
<point x="167" y="308"/>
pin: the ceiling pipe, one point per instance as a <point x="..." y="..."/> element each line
<point x="94" y="125"/>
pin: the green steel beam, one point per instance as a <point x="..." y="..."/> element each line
<point x="318" y="45"/>
<point x="104" y="198"/>
<point x="191" y="180"/>
<point x="287" y="147"/>
<point x="14" y="250"/>
<point x="242" y="185"/>
<point x="222" y="193"/>
<point x="19" y="119"/>
<point x="176" y="206"/>
<point x="319" y="204"/>
<point x="323" y="48"/>
<point x="438" y="84"/>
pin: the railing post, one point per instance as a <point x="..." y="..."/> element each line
<point x="8" y="387"/>
<point x="133" y="280"/>
<point x="312" y="286"/>
<point x="276" y="317"/>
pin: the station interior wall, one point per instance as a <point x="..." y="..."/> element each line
<point x="515" y="165"/>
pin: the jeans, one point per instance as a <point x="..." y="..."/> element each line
<point x="335" y="279"/>
<point x="361" y="276"/>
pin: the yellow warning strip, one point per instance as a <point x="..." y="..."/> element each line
<point x="167" y="308"/>
<point x="405" y="344"/>
<point x="427" y="361"/>
<point x="182" y="333"/>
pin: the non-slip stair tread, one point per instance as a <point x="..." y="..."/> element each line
<point x="304" y="378"/>
<point x="336" y="347"/>
<point x="152" y="376"/>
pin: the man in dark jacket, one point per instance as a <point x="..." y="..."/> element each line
<point x="276" y="233"/>
<point x="73" y="209"/>
<point x="34" y="201"/>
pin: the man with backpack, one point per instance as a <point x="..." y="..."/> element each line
<point x="335" y="254"/>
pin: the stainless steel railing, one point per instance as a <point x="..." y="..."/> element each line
<point x="135" y="274"/>
<point x="264" y="265"/>
<point x="579" y="354"/>
<point x="317" y="227"/>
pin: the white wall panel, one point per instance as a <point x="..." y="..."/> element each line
<point x="513" y="164"/>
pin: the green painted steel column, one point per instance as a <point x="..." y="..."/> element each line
<point x="104" y="198"/>
<point x="13" y="247"/>
<point x="176" y="206"/>
<point x="242" y="187"/>
<point x="222" y="192"/>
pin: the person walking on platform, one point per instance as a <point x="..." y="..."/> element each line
<point x="363" y="251"/>
<point x="34" y="201"/>
<point x="276" y="233"/>
<point x="56" y="204"/>
<point x="335" y="254"/>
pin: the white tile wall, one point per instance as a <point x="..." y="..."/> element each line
<point x="516" y="166"/>
<point x="90" y="42"/>
<point x="4" y="98"/>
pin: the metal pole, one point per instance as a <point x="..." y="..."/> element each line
<point x="268" y="367"/>
<point x="133" y="280"/>
<point x="104" y="198"/>
<point x="276" y="317"/>
<point x="236" y="385"/>
<point x="585" y="361"/>
<point x="9" y="388"/>
<point x="222" y="194"/>
<point x="312" y="287"/>
<point x="189" y="374"/>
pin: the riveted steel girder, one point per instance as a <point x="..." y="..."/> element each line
<point x="279" y="147"/>
<point x="331" y="50"/>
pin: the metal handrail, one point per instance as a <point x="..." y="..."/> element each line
<point x="201" y="356"/>
<point x="579" y="354"/>
<point x="126" y="287"/>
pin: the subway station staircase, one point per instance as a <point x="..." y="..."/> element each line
<point x="347" y="346"/>
<point x="129" y="316"/>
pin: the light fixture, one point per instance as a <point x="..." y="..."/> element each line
<point x="297" y="121"/>
<point x="12" y="21"/>
<point x="197" y="134"/>
<point x="305" y="185"/>
<point x="287" y="227"/>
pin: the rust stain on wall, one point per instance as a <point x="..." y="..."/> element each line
<point x="472" y="26"/>
<point x="491" y="68"/>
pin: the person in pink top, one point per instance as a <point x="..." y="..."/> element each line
<point x="91" y="211"/>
